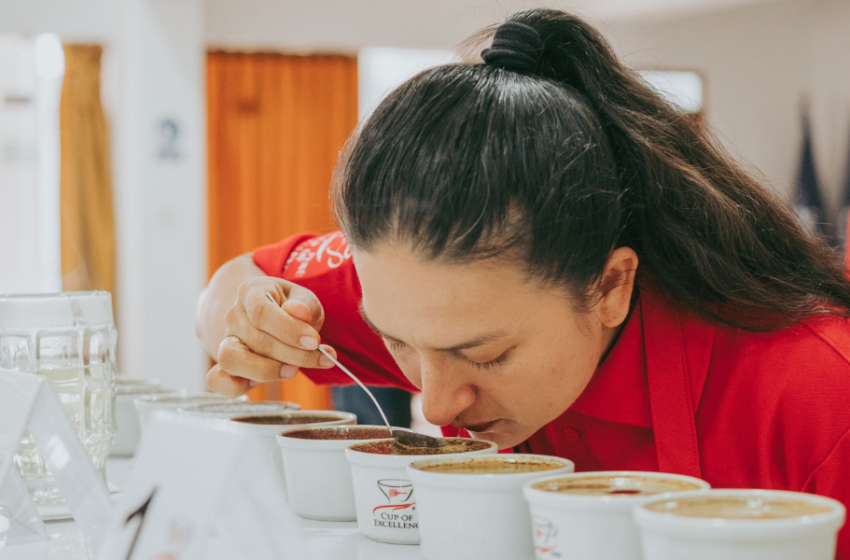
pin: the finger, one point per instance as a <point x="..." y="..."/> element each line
<point x="268" y="317"/>
<point x="299" y="299"/>
<point x="267" y="346"/>
<point x="324" y="361"/>
<point x="218" y="381"/>
<point x="237" y="359"/>
<point x="298" y="310"/>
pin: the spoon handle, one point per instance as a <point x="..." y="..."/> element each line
<point x="349" y="374"/>
<point x="362" y="386"/>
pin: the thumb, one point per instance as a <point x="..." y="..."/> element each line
<point x="303" y="305"/>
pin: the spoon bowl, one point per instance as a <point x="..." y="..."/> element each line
<point x="415" y="439"/>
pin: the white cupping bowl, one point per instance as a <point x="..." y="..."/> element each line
<point x="384" y="495"/>
<point x="318" y="478"/>
<point x="478" y="515"/>
<point x="666" y="536"/>
<point x="267" y="433"/>
<point x="127" y="429"/>
<point x="229" y="410"/>
<point x="594" y="527"/>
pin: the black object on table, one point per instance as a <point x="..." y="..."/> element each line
<point x="395" y="402"/>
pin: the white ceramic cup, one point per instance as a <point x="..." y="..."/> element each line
<point x="740" y="525"/>
<point x="229" y="410"/>
<point x="318" y="478"/>
<point x="123" y="382"/>
<point x="600" y="525"/>
<point x="146" y="405"/>
<point x="472" y="507"/>
<point x="127" y="429"/>
<point x="383" y="493"/>
<point x="268" y="432"/>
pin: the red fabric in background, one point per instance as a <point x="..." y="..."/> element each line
<point x="323" y="264"/>
<point x="770" y="410"/>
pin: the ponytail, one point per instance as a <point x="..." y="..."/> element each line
<point x="555" y="151"/>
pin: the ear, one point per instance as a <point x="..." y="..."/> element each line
<point x="616" y="286"/>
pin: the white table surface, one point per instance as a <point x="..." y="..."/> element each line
<point x="329" y="541"/>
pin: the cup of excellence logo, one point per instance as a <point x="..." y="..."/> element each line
<point x="397" y="513"/>
<point x="544" y="538"/>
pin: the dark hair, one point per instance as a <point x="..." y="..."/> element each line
<point x="567" y="158"/>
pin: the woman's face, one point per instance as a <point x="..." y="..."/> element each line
<point x="491" y="351"/>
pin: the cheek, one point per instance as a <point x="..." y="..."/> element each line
<point x="408" y="363"/>
<point x="550" y="376"/>
<point x="575" y="357"/>
<point x="570" y="374"/>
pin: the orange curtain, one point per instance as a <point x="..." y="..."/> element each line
<point x="87" y="221"/>
<point x="276" y="125"/>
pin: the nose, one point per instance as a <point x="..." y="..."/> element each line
<point x="445" y="394"/>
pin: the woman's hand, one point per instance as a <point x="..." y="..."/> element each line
<point x="267" y="341"/>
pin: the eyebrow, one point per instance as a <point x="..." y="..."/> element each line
<point x="477" y="341"/>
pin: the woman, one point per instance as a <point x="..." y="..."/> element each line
<point x="562" y="264"/>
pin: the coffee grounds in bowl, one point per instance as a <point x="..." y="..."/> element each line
<point x="493" y="465"/>
<point x="737" y="507"/>
<point x="454" y="445"/>
<point x="615" y="485"/>
<point x="340" y="433"/>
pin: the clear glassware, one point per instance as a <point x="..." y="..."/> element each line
<point x="69" y="338"/>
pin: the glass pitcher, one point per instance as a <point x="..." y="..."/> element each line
<point x="69" y="338"/>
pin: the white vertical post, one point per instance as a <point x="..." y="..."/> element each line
<point x="161" y="189"/>
<point x="50" y="68"/>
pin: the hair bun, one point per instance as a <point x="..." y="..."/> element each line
<point x="516" y="46"/>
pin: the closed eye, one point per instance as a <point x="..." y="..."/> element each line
<point x="397" y="346"/>
<point x="492" y="363"/>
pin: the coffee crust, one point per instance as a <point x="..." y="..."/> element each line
<point x="454" y="445"/>
<point x="285" y="419"/>
<point x="340" y="433"/>
<point x="615" y="485"/>
<point x="744" y="507"/>
<point x="495" y="465"/>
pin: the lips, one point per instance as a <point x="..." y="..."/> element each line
<point x="480" y="428"/>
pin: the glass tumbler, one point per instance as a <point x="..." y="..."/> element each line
<point x="70" y="339"/>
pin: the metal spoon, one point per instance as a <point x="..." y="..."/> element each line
<point x="404" y="438"/>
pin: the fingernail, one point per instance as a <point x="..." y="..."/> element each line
<point x="253" y="384"/>
<point x="288" y="371"/>
<point x="325" y="361"/>
<point x="309" y="342"/>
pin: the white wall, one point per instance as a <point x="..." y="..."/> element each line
<point x="73" y="20"/>
<point x="31" y="72"/>
<point x="758" y="64"/>
<point x="349" y="25"/>
<point x="381" y="69"/>
<point x="20" y="267"/>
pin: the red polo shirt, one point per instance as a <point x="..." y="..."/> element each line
<point x="675" y="394"/>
